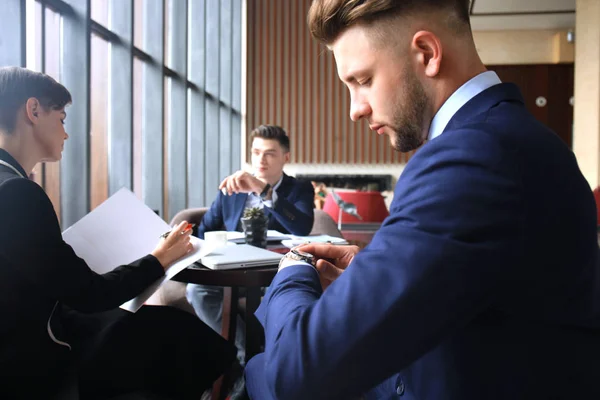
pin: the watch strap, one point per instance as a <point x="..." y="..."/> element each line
<point x="289" y="262"/>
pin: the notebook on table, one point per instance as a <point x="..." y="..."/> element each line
<point x="272" y="236"/>
<point x="240" y="256"/>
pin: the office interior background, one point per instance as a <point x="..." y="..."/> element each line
<point x="165" y="92"/>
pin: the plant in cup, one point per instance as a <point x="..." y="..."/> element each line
<point x="255" y="222"/>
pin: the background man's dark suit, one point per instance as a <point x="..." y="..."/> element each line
<point x="292" y="213"/>
<point x="482" y="284"/>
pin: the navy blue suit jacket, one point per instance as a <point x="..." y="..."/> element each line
<point x="293" y="212"/>
<point x="483" y="283"/>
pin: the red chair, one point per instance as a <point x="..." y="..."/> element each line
<point x="370" y="206"/>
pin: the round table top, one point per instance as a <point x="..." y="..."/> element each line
<point x="245" y="277"/>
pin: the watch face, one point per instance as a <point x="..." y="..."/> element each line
<point x="304" y="256"/>
<point x="302" y="253"/>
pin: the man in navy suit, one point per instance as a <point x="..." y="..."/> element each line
<point x="481" y="284"/>
<point x="287" y="202"/>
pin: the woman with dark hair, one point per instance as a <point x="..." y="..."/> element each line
<point x="61" y="323"/>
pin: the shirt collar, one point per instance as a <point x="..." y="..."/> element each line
<point x="459" y="98"/>
<point x="276" y="186"/>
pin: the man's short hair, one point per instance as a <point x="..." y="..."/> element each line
<point x="17" y="85"/>
<point x="272" y="132"/>
<point x="327" y="19"/>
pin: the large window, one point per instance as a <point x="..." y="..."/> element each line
<point x="156" y="88"/>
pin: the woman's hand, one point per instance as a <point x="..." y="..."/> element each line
<point x="174" y="246"/>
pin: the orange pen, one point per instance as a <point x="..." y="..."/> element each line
<point x="187" y="228"/>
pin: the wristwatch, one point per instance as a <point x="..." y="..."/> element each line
<point x="298" y="256"/>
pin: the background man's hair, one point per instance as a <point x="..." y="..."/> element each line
<point x="17" y="85"/>
<point x="272" y="132"/>
<point x="327" y="19"/>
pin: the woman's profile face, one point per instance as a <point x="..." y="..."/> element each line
<point x="50" y="133"/>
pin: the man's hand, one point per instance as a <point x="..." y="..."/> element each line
<point x="332" y="260"/>
<point x="241" y="182"/>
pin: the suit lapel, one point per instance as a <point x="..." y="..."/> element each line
<point x="283" y="191"/>
<point x="285" y="187"/>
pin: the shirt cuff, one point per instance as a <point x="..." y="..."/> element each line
<point x="288" y="262"/>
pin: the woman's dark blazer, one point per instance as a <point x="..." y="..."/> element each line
<point x="39" y="273"/>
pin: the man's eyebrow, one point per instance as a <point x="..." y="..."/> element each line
<point x="349" y="78"/>
<point x="355" y="72"/>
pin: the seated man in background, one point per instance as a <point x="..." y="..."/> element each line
<point x="287" y="202"/>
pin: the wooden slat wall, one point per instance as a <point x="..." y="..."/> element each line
<point x="293" y="82"/>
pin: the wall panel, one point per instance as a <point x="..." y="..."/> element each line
<point x="293" y="82"/>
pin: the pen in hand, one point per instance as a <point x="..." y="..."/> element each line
<point x="188" y="227"/>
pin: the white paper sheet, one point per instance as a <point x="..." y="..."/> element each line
<point x="119" y="231"/>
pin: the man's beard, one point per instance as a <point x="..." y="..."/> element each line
<point x="408" y="126"/>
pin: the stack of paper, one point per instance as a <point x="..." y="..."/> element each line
<point x="119" y="231"/>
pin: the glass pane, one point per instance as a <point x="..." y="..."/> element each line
<point x="34" y="35"/>
<point x="34" y="60"/>
<point x="175" y="38"/>
<point x="52" y="68"/>
<point x="100" y="11"/>
<point x="138" y="70"/>
<point x="166" y="32"/>
<point x="99" y="83"/>
<point x="167" y="94"/>
<point x="138" y="24"/>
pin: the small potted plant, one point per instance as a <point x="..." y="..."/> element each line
<point x="255" y="222"/>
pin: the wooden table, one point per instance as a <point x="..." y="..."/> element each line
<point x="250" y="279"/>
<point x="360" y="234"/>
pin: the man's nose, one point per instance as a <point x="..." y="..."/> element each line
<point x="359" y="109"/>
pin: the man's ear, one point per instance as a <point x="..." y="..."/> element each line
<point x="32" y="109"/>
<point x="427" y="48"/>
<point x="287" y="157"/>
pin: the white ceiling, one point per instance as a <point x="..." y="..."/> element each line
<point x="515" y="6"/>
<point x="522" y="14"/>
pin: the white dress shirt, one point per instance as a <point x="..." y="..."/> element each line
<point x="254" y="199"/>
<point x="458" y="99"/>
